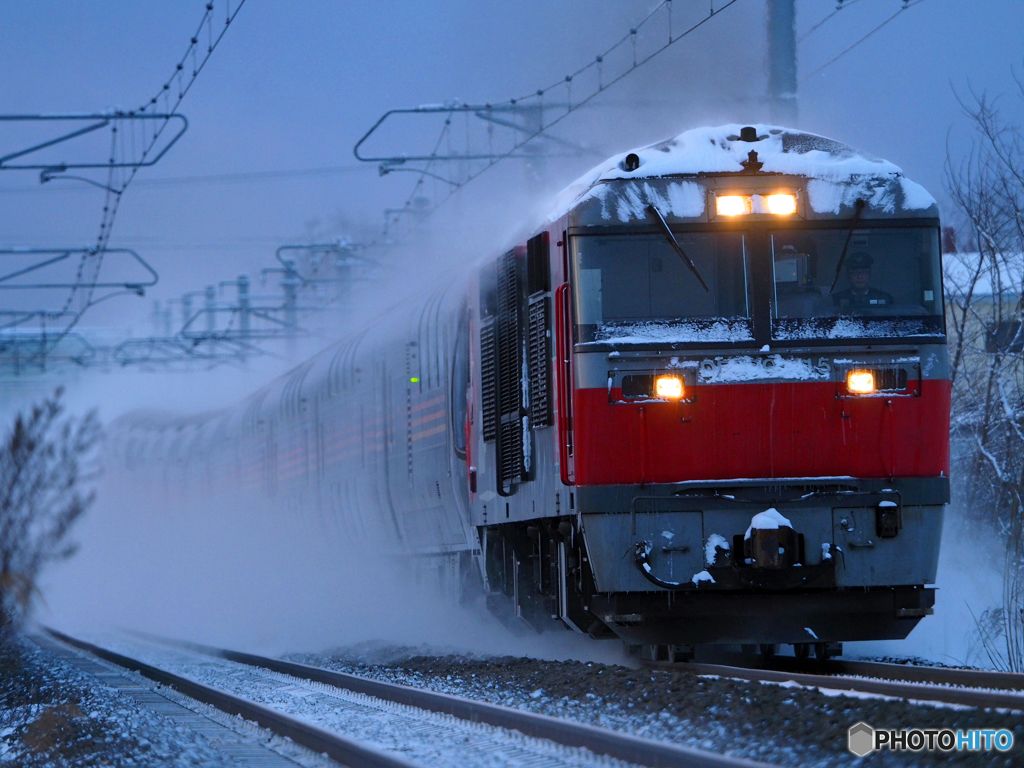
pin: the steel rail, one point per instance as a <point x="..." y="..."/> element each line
<point x="569" y="733"/>
<point x="970" y="678"/>
<point x="349" y="752"/>
<point x="919" y="687"/>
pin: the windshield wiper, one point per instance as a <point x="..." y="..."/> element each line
<point x="678" y="248"/>
<point x="858" y="207"/>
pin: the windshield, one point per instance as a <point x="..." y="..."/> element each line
<point x="888" y="283"/>
<point x="637" y="288"/>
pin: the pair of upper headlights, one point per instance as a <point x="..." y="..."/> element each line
<point x="671" y="387"/>
<point x="781" y="204"/>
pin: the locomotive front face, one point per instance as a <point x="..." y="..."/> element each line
<point x="760" y="408"/>
<point x="712" y="399"/>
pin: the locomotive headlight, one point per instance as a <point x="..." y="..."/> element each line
<point x="669" y="388"/>
<point x="780" y="204"/>
<point x="734" y="205"/>
<point x="860" y="382"/>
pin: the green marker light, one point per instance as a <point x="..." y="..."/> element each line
<point x="414" y="380"/>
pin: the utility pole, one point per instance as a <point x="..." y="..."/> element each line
<point x="782" y="62"/>
<point x="243" y="305"/>
<point x="290" y="285"/>
<point x="211" y="301"/>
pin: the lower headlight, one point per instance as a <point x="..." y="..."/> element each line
<point x="669" y="388"/>
<point x="860" y="382"/>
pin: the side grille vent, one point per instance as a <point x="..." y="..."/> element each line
<point x="887" y="379"/>
<point x="510" y="453"/>
<point x="510" y="373"/>
<point x="488" y="383"/>
<point x="540" y="362"/>
<point x="890" y="379"/>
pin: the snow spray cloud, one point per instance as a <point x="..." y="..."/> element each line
<point x="968" y="582"/>
<point x="203" y="552"/>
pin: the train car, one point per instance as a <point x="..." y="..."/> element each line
<point x="707" y="402"/>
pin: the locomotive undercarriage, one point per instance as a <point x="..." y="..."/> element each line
<point x="853" y="566"/>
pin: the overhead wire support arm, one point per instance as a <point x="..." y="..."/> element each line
<point x="385" y="168"/>
<point x="15" y="318"/>
<point x="137" y="139"/>
<point x="56" y="255"/>
<point x="98" y="122"/>
<point x="481" y="111"/>
<point x="160" y="109"/>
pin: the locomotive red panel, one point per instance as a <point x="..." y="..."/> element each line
<point x="776" y="430"/>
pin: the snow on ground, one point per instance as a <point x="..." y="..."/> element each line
<point x="53" y="715"/>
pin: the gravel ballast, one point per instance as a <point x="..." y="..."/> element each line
<point x="785" y="724"/>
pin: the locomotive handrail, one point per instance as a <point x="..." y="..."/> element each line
<point x="563" y="344"/>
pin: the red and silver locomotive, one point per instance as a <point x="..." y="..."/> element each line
<point x="706" y="403"/>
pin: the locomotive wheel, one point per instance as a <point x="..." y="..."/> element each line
<point x="768" y="651"/>
<point x="801" y="651"/>
<point x="821" y="651"/>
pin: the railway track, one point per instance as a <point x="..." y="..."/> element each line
<point x="417" y="722"/>
<point x="973" y="688"/>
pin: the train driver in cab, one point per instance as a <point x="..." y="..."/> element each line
<point x="860" y="295"/>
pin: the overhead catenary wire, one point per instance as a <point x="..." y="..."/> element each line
<point x="212" y="178"/>
<point x="567" y="108"/>
<point x="118" y="177"/>
<point x="842" y="4"/>
<point x="907" y="4"/>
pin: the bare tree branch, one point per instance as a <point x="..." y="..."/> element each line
<point x="41" y="496"/>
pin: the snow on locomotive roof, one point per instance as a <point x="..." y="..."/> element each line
<point x="841" y="168"/>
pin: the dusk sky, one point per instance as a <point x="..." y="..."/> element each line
<point x="294" y="85"/>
